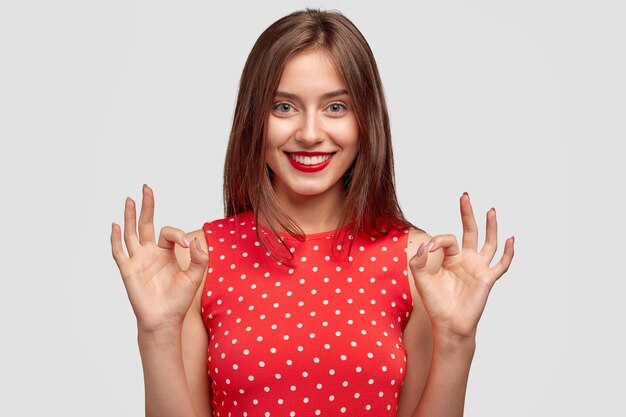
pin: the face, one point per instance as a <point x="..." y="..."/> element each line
<point x="312" y="136"/>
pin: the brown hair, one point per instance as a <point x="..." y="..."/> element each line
<point x="371" y="205"/>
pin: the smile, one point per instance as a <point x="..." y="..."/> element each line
<point x="310" y="161"/>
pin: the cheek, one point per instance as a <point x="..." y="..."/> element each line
<point x="277" y="130"/>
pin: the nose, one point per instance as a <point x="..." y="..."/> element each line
<point x="310" y="132"/>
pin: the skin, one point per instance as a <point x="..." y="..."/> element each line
<point x="165" y="278"/>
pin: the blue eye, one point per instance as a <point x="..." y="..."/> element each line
<point x="282" y="107"/>
<point x="336" y="107"/>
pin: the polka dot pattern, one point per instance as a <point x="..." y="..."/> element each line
<point x="320" y="337"/>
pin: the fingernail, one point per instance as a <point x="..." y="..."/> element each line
<point x="420" y="250"/>
<point x="185" y="242"/>
<point x="431" y="245"/>
<point x="513" y="238"/>
<point x="198" y="244"/>
<point x="465" y="193"/>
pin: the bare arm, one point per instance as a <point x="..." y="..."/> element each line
<point x="417" y="336"/>
<point x="175" y="362"/>
<point x="165" y="300"/>
<point x="455" y="297"/>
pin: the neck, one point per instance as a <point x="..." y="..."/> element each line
<point x="313" y="213"/>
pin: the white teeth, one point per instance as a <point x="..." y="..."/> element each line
<point x="310" y="160"/>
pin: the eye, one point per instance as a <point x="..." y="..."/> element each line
<point x="336" y="107"/>
<point x="282" y="107"/>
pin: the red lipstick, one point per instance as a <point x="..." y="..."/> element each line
<point x="312" y="167"/>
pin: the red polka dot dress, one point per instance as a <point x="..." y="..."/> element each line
<point x="322" y="337"/>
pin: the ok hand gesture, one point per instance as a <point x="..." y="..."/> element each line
<point x="159" y="290"/>
<point x="456" y="295"/>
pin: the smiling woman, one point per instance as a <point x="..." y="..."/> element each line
<point x="314" y="296"/>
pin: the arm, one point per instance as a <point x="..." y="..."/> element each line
<point x="174" y="360"/>
<point x="436" y="378"/>
<point x="417" y="336"/>
<point x="164" y="298"/>
<point x="454" y="298"/>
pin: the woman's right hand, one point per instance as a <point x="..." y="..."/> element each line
<point x="159" y="290"/>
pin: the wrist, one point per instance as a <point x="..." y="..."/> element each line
<point x="161" y="336"/>
<point x="448" y="343"/>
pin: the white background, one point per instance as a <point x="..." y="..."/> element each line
<point x="519" y="103"/>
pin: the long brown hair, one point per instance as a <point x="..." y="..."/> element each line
<point x="371" y="205"/>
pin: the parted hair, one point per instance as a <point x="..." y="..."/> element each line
<point x="371" y="204"/>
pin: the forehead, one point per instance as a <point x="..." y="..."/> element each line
<point x="310" y="72"/>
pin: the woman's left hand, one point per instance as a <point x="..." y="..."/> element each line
<point x="456" y="295"/>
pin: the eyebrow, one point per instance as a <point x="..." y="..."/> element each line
<point x="331" y="94"/>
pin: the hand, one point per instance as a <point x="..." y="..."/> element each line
<point x="456" y="295"/>
<point x="160" y="292"/>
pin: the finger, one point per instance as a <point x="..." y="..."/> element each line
<point x="116" y="246"/>
<point x="169" y="236"/>
<point x="470" y="230"/>
<point x="199" y="262"/>
<point x="447" y="242"/>
<point x="130" y="226"/>
<point x="501" y="267"/>
<point x="491" y="238"/>
<point x="146" y="217"/>
<point x="418" y="267"/>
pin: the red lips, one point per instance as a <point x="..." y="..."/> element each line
<point x="309" y="168"/>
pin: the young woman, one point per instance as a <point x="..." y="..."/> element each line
<point x="314" y="295"/>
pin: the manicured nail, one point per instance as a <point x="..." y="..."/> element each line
<point x="185" y="242"/>
<point x="420" y="250"/>
<point x="198" y="244"/>
<point x="431" y="245"/>
<point x="465" y="193"/>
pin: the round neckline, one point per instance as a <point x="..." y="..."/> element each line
<point x="284" y="235"/>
